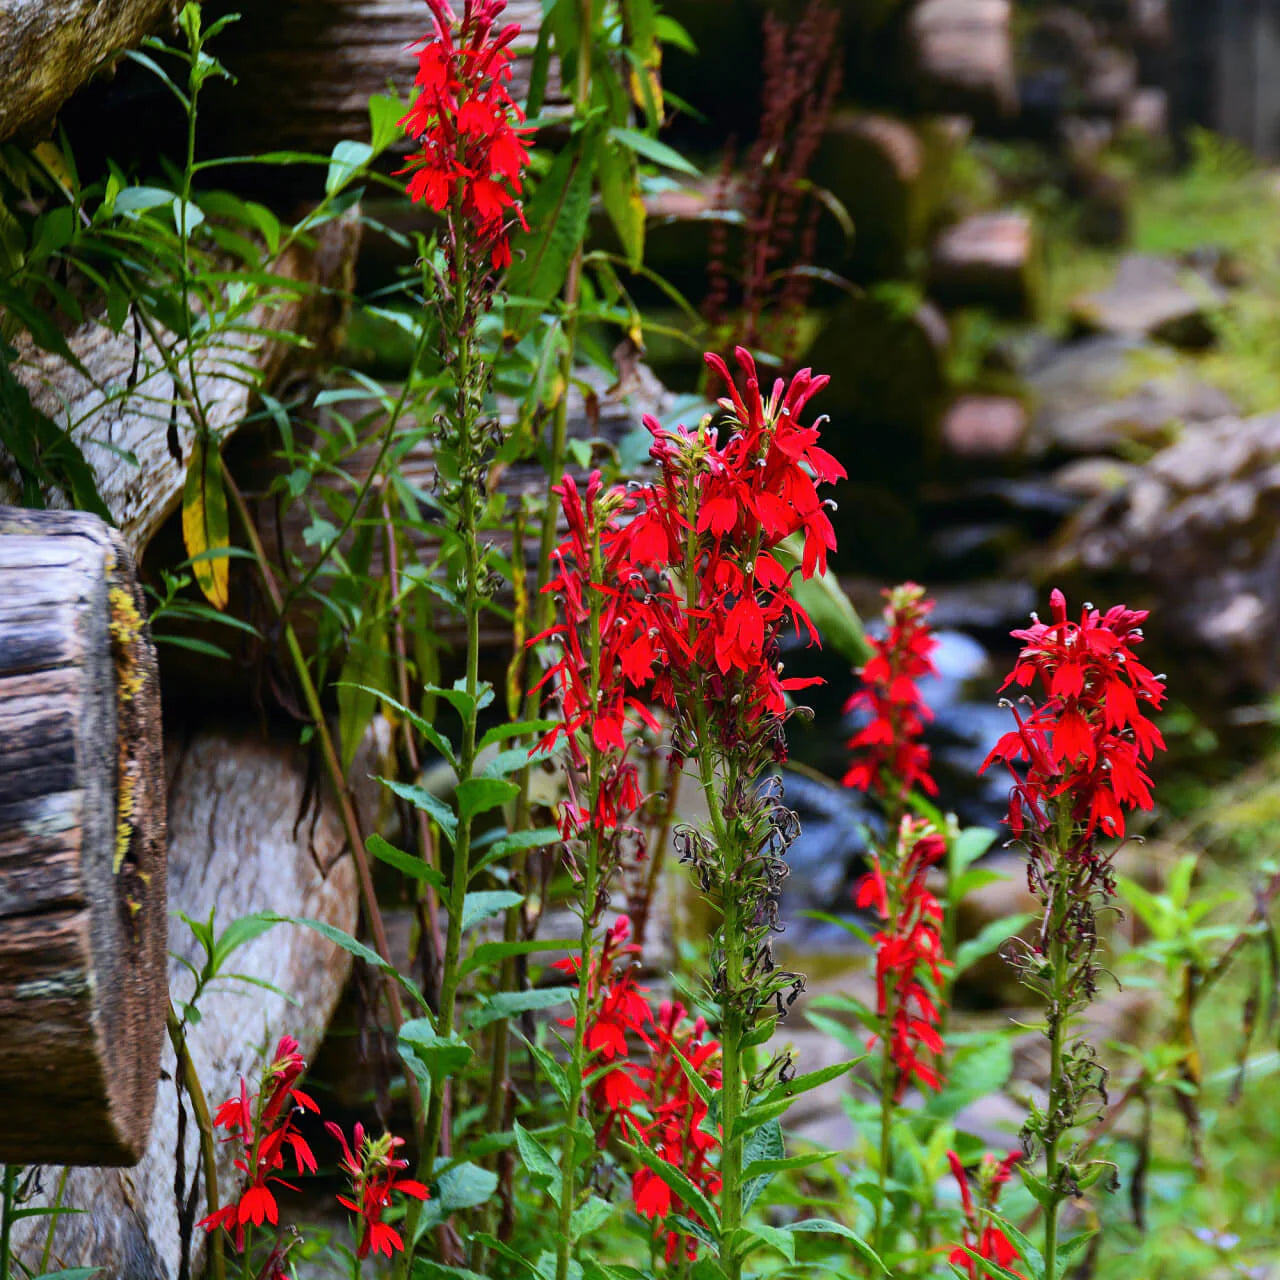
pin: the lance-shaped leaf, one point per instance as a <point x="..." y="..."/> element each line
<point x="204" y="519"/>
<point x="679" y="1182"/>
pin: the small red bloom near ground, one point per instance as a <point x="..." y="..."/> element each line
<point x="650" y="1099"/>
<point x="473" y="151"/>
<point x="908" y="951"/>
<point x="983" y="1237"/>
<point x="373" y="1168"/>
<point x="1085" y="744"/>
<point x="888" y="757"/>
<point x="262" y="1125"/>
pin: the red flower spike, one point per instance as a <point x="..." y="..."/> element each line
<point x="650" y="1097"/>
<point x="372" y="1168"/>
<point x="908" y="952"/>
<point x="261" y="1124"/>
<point x="1087" y="743"/>
<point x="473" y="150"/>
<point x="888" y="757"/>
<point x="984" y="1238"/>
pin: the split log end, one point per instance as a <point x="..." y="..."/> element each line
<point x="83" y="926"/>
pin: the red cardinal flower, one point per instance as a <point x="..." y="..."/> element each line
<point x="983" y="1238"/>
<point x="373" y="1169"/>
<point x="888" y="757"/>
<point x="909" y="955"/>
<point x="648" y="1095"/>
<point x="1085" y="746"/>
<point x="473" y="152"/>
<point x="262" y="1125"/>
<point x="707" y="569"/>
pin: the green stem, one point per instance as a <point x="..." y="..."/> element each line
<point x="1057" y="1039"/>
<point x="469" y="499"/>
<point x="6" y="1224"/>
<point x="204" y="1124"/>
<point x="586" y="939"/>
<point x="886" y="1137"/>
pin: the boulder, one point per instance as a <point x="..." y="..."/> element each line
<point x="874" y="165"/>
<point x="1152" y="297"/>
<point x="1193" y="535"/>
<point x="986" y="260"/>
<point x="984" y="426"/>
<point x="1084" y="404"/>
<point x="962" y="57"/>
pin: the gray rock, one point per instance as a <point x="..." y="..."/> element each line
<point x="987" y="259"/>
<point x="1082" y="406"/>
<point x="963" y="56"/>
<point x="979" y="426"/>
<point x="1196" y="535"/>
<point x="1152" y="297"/>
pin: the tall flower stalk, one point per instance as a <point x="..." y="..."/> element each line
<point x="469" y="167"/>
<point x="711" y="595"/>
<point x="889" y="759"/>
<point x="589" y="689"/>
<point x="1078" y="759"/>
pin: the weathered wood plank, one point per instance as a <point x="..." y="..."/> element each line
<point x="243" y="838"/>
<point x="48" y="48"/>
<point x="82" y="884"/>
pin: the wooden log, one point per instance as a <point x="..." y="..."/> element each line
<point x="243" y="837"/>
<point x="49" y="48"/>
<point x="124" y="440"/>
<point x="83" y="926"/>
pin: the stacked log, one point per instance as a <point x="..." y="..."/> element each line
<point x="83" y="923"/>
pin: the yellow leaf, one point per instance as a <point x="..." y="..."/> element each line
<point x="204" y="519"/>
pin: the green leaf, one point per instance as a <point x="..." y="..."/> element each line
<point x="696" y="1082"/>
<point x="589" y="1217"/>
<point x="353" y="946"/>
<point x="810" y="1080"/>
<point x="347" y="160"/>
<point x="422" y="799"/>
<point x="204" y="519"/>
<point x="620" y="194"/>
<point x="552" y="1070"/>
<point x="757" y="1167"/>
<point x="515" y="729"/>
<point x="974" y="1072"/>
<point x="679" y="1182"/>
<point x="988" y="1267"/>
<point x="542" y="1169"/>
<point x="488" y="952"/>
<point x="506" y="1004"/>
<point x="482" y="905"/>
<point x="403" y="862"/>
<point x="970" y="845"/>
<point x="557" y="217"/>
<point x="764" y="1147"/>
<point x="479" y="795"/>
<point x="464" y="703"/>
<point x="832" y="612"/>
<point x="642" y="144"/>
<point x="987" y="940"/>
<point x="441" y="1055"/>
<point x="1040" y="1190"/>
<point x="423" y="726"/>
<point x="234" y="936"/>
<point x="775" y="1237"/>
<point x="757" y="1114"/>
<point x="385" y="111"/>
<point x="465" y="1186"/>
<point x="827" y="1227"/>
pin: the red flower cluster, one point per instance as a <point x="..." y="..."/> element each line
<point x="262" y="1123"/>
<point x="373" y="1168"/>
<point x="653" y="1102"/>
<point x="986" y="1240"/>
<point x="908" y="946"/>
<point x="584" y="587"/>
<point x="714" y="522"/>
<point x="1088" y="740"/>
<point x="888" y="756"/>
<point x="473" y="150"/>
